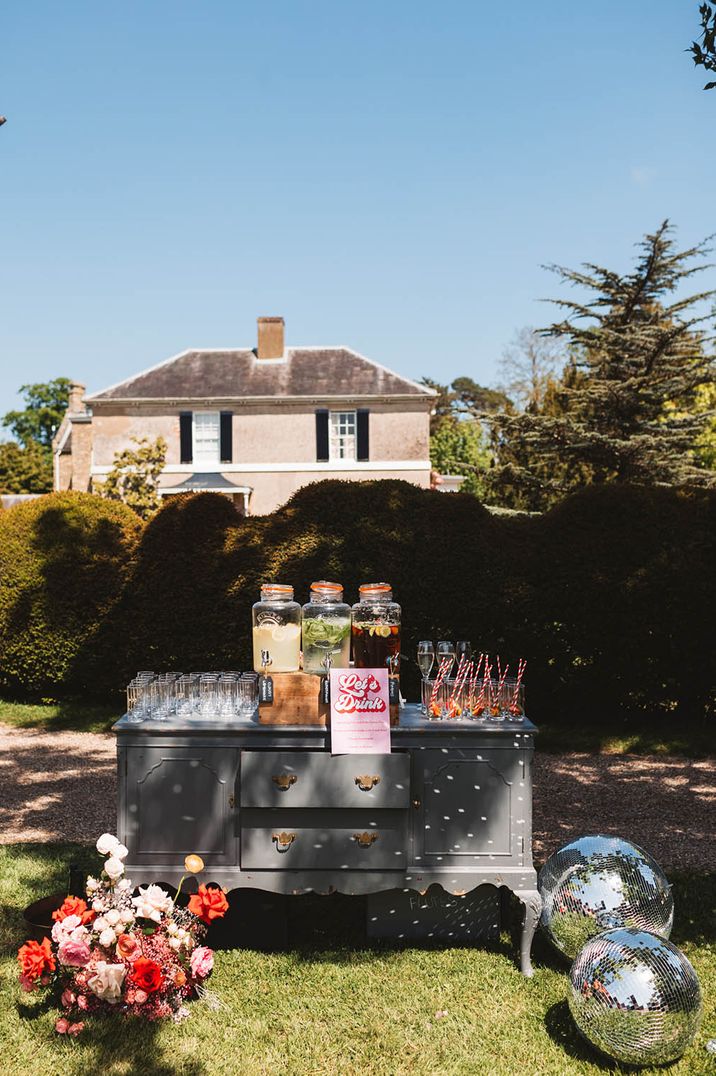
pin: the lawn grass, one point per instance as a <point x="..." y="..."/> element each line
<point x="330" y="1006"/>
<point x="613" y="736"/>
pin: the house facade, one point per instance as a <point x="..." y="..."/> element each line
<point x="254" y="424"/>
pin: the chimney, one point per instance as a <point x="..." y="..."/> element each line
<point x="76" y="404"/>
<point x="270" y="342"/>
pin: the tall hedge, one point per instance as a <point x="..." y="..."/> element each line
<point x="609" y="596"/>
<point x="65" y="559"/>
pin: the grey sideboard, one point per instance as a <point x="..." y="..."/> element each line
<point x="268" y="807"/>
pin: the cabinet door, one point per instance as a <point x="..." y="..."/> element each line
<point x="180" y="800"/>
<point x="469" y="800"/>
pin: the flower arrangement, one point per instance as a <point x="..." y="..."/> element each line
<point x="140" y="955"/>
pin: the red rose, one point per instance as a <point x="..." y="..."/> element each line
<point x="208" y="904"/>
<point x="73" y="906"/>
<point x="146" y="974"/>
<point x="35" y="960"/>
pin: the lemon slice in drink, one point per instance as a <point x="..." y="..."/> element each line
<point x="383" y="630"/>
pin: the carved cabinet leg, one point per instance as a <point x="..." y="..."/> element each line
<point x="533" y="909"/>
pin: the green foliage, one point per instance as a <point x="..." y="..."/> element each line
<point x="25" y="470"/>
<point x="64" y="559"/>
<point x="38" y="422"/>
<point x="703" y="51"/>
<point x="459" y="447"/>
<point x="134" y="478"/>
<point x="633" y="349"/>
<point x="609" y="596"/>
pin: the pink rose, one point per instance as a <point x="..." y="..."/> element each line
<point x="62" y="1026"/>
<point x="202" y="962"/>
<point x="74" y="1029"/>
<point x="67" y="999"/>
<point x="27" y="984"/>
<point x="74" y="952"/>
<point x="140" y="996"/>
<point x="81" y="1002"/>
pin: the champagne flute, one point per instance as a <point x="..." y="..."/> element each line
<point x="446" y="650"/>
<point x="463" y="649"/>
<point x="425" y="659"/>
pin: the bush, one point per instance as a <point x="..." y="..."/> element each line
<point x="64" y="559"/>
<point x="609" y="595"/>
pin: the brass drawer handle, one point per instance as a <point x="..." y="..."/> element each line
<point x="365" y="840"/>
<point x="283" y="840"/>
<point x="284" y="780"/>
<point x="365" y="782"/>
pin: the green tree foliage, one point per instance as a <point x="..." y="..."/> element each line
<point x="25" y="470"/>
<point x="458" y="446"/>
<point x="134" y="478"/>
<point x="634" y="347"/>
<point x="38" y="422"/>
<point x="703" y="51"/>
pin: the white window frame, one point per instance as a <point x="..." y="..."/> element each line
<point x="198" y="458"/>
<point x="342" y="443"/>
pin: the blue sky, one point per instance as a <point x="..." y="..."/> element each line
<point x="387" y="175"/>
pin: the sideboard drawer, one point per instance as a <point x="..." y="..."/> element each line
<point x="321" y="840"/>
<point x="318" y="779"/>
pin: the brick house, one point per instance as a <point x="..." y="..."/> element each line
<point x="253" y="424"/>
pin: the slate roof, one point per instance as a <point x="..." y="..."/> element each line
<point x="238" y="374"/>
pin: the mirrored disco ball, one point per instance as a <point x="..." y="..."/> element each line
<point x="598" y="882"/>
<point x="635" y="997"/>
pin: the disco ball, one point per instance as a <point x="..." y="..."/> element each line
<point x="635" y="997"/>
<point x="596" y="883"/>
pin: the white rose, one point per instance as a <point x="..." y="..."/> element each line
<point x="124" y="884"/>
<point x="121" y="851"/>
<point x="66" y="928"/>
<point x="100" y="924"/>
<point x="107" y="938"/>
<point x="119" y="929"/>
<point x="152" y="903"/>
<point x="127" y="915"/>
<point x="97" y="905"/>
<point x="91" y="884"/>
<point x="114" y="868"/>
<point x="175" y="943"/>
<point x="106" y="844"/>
<point x="112" y="917"/>
<point x="106" y="982"/>
<point x="172" y="928"/>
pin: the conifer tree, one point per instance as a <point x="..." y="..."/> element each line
<point x="625" y="409"/>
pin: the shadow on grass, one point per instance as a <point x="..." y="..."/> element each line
<point x="562" y="1030"/>
<point x="631" y="734"/>
<point x="67" y="716"/>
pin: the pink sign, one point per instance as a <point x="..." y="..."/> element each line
<point x="360" y="712"/>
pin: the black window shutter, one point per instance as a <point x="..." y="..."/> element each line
<point x="322" y="435"/>
<point x="185" y="437"/>
<point x="226" y="453"/>
<point x="362" y="439"/>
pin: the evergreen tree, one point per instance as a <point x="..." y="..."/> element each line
<point x="635" y="350"/>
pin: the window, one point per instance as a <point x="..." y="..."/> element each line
<point x="343" y="435"/>
<point x="206" y="437"/>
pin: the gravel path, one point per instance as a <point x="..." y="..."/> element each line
<point x="62" y="786"/>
